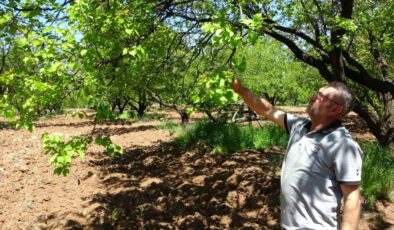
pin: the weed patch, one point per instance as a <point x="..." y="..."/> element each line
<point x="229" y="138"/>
<point x="378" y="173"/>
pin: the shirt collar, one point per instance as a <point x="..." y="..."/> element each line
<point x="326" y="130"/>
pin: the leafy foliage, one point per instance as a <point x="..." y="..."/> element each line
<point x="111" y="148"/>
<point x="63" y="151"/>
<point x="214" y="91"/>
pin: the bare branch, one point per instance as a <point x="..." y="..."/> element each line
<point x="300" y="34"/>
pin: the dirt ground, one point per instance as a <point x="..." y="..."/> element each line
<point x="153" y="185"/>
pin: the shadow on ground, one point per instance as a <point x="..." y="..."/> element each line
<point x="165" y="187"/>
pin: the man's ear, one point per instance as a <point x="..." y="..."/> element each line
<point x="338" y="109"/>
<point x="335" y="110"/>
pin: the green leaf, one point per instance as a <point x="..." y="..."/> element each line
<point x="247" y="21"/>
<point x="129" y="31"/>
<point x="83" y="52"/>
<point x="37" y="42"/>
<point x="125" y="51"/>
<point x="133" y="52"/>
<point x="207" y="27"/>
<point x="66" y="171"/>
<point x="58" y="171"/>
<point x="53" y="159"/>
<point x="119" y="149"/>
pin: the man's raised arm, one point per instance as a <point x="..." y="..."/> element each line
<point x="259" y="105"/>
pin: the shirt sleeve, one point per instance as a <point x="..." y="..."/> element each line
<point x="292" y="121"/>
<point x="348" y="162"/>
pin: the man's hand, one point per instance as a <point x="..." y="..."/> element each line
<point x="261" y="106"/>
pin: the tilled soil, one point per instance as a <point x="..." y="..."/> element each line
<point x="153" y="185"/>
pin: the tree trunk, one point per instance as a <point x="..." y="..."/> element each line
<point x="121" y="107"/>
<point x="251" y="116"/>
<point x="185" y="117"/>
<point x="388" y="121"/>
<point x="141" y="110"/>
<point x="382" y="127"/>
<point x="208" y="113"/>
<point x="142" y="105"/>
<point x="113" y="106"/>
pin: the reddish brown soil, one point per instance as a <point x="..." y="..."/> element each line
<point x="153" y="185"/>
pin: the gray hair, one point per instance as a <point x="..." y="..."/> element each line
<point x="345" y="94"/>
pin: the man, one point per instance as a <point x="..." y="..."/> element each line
<point x="322" y="164"/>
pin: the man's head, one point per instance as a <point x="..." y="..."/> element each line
<point x="331" y="102"/>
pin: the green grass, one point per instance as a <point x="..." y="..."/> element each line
<point x="172" y="127"/>
<point x="378" y="173"/>
<point x="228" y="138"/>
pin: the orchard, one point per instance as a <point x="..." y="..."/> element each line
<point x="106" y="62"/>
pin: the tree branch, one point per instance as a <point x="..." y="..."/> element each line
<point x="372" y="83"/>
<point x="301" y="35"/>
<point x="301" y="55"/>
<point x="4" y="55"/>
<point x="382" y="64"/>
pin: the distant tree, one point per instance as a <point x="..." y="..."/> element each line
<point x="272" y="72"/>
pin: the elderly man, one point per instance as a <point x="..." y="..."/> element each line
<point x="322" y="164"/>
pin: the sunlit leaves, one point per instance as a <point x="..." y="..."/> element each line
<point x="5" y="19"/>
<point x="39" y="66"/>
<point x="111" y="148"/>
<point x="215" y="91"/>
<point x="83" y="52"/>
<point x="62" y="151"/>
<point x="136" y="51"/>
<point x="222" y="34"/>
<point x="255" y="23"/>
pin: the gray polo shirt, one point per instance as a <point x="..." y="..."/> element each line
<point x="314" y="166"/>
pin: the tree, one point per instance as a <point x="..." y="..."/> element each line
<point x="344" y="41"/>
<point x="36" y="70"/>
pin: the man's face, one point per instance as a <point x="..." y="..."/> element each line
<point x="326" y="102"/>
